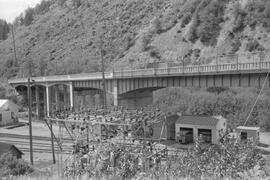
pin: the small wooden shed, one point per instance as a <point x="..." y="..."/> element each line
<point x="10" y="148"/>
<point x="189" y="128"/>
<point x="245" y="133"/>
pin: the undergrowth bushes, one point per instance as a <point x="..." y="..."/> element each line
<point x="252" y="14"/>
<point x="10" y="165"/>
<point x="230" y="103"/>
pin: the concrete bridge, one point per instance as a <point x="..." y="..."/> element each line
<point x="134" y="88"/>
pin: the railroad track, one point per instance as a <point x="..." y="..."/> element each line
<point x="37" y="150"/>
<point x="42" y="146"/>
<point x="27" y="137"/>
<point x="38" y="147"/>
<point x="15" y="142"/>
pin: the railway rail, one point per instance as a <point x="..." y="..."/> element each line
<point x="42" y="138"/>
<point x="42" y="146"/>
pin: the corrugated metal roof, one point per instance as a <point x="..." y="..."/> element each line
<point x="199" y="120"/>
<point x="2" y="102"/>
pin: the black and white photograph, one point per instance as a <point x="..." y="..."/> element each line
<point x="134" y="89"/>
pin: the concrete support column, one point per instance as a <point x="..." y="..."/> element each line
<point x="65" y="97"/>
<point x="56" y="96"/>
<point x="47" y="101"/>
<point x="115" y="93"/>
<point x="71" y="95"/>
<point x="37" y="101"/>
<point x="195" y="134"/>
<point x="44" y="101"/>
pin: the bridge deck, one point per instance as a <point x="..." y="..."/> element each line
<point x="228" y="68"/>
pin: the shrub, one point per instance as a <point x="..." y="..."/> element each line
<point x="188" y="10"/>
<point x="43" y="7"/>
<point x="157" y="25"/>
<point x="18" y="20"/>
<point x="217" y="90"/>
<point x="210" y="18"/>
<point x="254" y="13"/>
<point x="77" y="3"/>
<point x="61" y="2"/>
<point x="254" y="45"/>
<point x="239" y="16"/>
<point x="29" y="16"/>
<point x="4" y="29"/>
<point x="236" y="44"/>
<point x="258" y="13"/>
<point x="186" y="19"/>
<point x="154" y="53"/>
<point x="130" y="41"/>
<point x="196" y="53"/>
<point x="10" y="165"/>
<point x="146" y="39"/>
<point x="192" y="36"/>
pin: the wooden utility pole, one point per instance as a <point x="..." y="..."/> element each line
<point x="14" y="46"/>
<point x="30" y="119"/>
<point x="102" y="52"/>
<point x="52" y="142"/>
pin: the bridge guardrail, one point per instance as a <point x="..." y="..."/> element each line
<point x="155" y="71"/>
<point x="194" y="69"/>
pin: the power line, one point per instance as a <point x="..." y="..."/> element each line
<point x="252" y="108"/>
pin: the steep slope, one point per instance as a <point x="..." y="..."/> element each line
<point x="65" y="37"/>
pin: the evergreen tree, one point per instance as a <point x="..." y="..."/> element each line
<point x="29" y="16"/>
<point x="4" y="29"/>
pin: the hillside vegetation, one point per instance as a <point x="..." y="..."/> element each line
<point x="234" y="104"/>
<point x="66" y="36"/>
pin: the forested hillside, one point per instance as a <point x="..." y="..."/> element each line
<point x="66" y="36"/>
<point x="63" y="36"/>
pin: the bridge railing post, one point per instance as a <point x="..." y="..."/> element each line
<point x="237" y="62"/>
<point x="260" y="59"/>
<point x="183" y="65"/>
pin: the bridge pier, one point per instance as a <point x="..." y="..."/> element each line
<point x="71" y="95"/>
<point x="47" y="101"/>
<point x="37" y="102"/>
<point x="115" y="93"/>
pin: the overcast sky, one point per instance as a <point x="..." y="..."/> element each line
<point x="10" y="9"/>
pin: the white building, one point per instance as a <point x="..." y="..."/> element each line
<point x="246" y="133"/>
<point x="189" y="128"/>
<point x="8" y="112"/>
